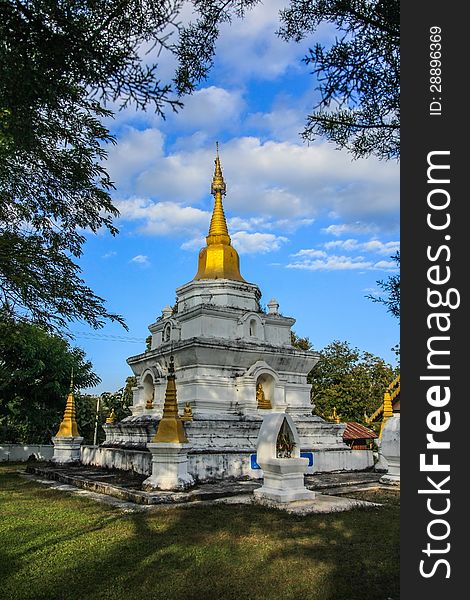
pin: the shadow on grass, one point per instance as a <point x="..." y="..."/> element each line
<point x="70" y="547"/>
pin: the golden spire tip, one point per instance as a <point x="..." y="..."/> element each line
<point x="218" y="260"/>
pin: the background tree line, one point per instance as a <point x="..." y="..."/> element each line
<point x="35" y="373"/>
<point x="347" y="379"/>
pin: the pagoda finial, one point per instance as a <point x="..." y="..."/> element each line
<point x="218" y="232"/>
<point x="218" y="260"/>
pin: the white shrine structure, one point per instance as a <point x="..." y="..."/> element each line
<point x="233" y="364"/>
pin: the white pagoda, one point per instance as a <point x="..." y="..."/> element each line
<point x="234" y="363"/>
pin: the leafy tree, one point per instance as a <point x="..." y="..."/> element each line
<point x="63" y="63"/>
<point x="359" y="75"/>
<point x="119" y="401"/>
<point x="35" y="369"/>
<point x="391" y="287"/>
<point x="350" y="380"/>
<point x="300" y="343"/>
<point x="85" y="405"/>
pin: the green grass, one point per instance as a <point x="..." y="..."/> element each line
<point x="55" y="546"/>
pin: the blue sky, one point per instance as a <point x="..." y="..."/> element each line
<point x="313" y="228"/>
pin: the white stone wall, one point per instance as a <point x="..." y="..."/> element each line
<point x="124" y="460"/>
<point x="326" y="461"/>
<point x="207" y="466"/>
<point x="20" y="453"/>
<point x="220" y="292"/>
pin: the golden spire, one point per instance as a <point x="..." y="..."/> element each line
<point x="219" y="259"/>
<point x="69" y="427"/>
<point x="170" y="429"/>
<point x="387" y="410"/>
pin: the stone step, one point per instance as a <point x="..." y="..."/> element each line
<point x="92" y="481"/>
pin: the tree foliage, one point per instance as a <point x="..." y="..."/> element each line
<point x="391" y="287"/>
<point x="85" y="407"/>
<point x="300" y="342"/>
<point x="35" y="370"/>
<point x="349" y="380"/>
<point x="92" y="410"/>
<point x="120" y="401"/>
<point x="62" y="62"/>
<point x="358" y="75"/>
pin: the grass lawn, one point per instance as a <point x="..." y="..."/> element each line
<point x="55" y="546"/>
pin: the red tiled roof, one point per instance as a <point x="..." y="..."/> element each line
<point x="356" y="431"/>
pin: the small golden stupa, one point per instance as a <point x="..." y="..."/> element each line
<point x="68" y="426"/>
<point x="170" y="429"/>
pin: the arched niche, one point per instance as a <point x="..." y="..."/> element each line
<point x="285" y="442"/>
<point x="148" y="388"/>
<point x="266" y="380"/>
<point x="251" y="327"/>
<point x="166" y="336"/>
<point x="171" y="331"/>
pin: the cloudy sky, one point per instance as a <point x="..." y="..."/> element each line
<point x="313" y="228"/>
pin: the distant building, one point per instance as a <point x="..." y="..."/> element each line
<point x="358" y="437"/>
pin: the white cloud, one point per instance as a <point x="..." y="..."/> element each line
<point x="273" y="180"/>
<point x="252" y="243"/>
<point x="257" y="223"/>
<point x="250" y="47"/>
<point x="283" y="123"/>
<point x="141" y="260"/>
<point x="163" y="218"/>
<point x="357" y="227"/>
<point x="209" y="109"/>
<point x="194" y="244"/>
<point x="332" y="263"/>
<point x="109" y="254"/>
<point x="311" y="253"/>
<point x="135" y="152"/>
<point x="244" y="242"/>
<point x="386" y="265"/>
<point x="372" y="246"/>
<point x="316" y="260"/>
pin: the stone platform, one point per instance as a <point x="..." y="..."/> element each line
<point x="123" y="489"/>
<point x="222" y="448"/>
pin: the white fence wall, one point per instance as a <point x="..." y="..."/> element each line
<point x="19" y="453"/>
